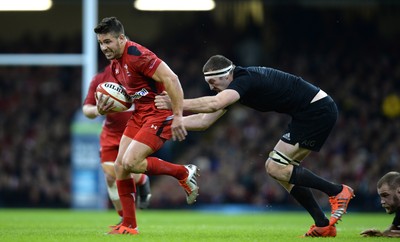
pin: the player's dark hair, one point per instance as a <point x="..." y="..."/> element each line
<point x="110" y="25"/>
<point x="216" y="62"/>
<point x="391" y="178"/>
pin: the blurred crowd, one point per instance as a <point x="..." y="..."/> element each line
<point x="352" y="59"/>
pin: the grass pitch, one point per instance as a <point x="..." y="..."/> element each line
<point x="178" y="226"/>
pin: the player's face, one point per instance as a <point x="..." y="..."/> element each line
<point x="110" y="45"/>
<point x="390" y="199"/>
<point x="219" y="84"/>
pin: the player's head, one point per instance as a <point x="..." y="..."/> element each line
<point x="111" y="37"/>
<point x="218" y="72"/>
<point x="389" y="190"/>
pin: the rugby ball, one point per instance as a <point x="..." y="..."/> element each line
<point x="117" y="93"/>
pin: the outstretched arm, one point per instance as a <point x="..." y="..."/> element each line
<point x="201" y="121"/>
<point x="207" y="104"/>
<point x="392" y="231"/>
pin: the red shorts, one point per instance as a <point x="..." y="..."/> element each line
<point x="113" y="128"/>
<point x="109" y="144"/>
<point x="150" y="126"/>
<point x="108" y="153"/>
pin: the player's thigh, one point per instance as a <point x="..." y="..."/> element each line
<point x="136" y="152"/>
<point x="123" y="146"/>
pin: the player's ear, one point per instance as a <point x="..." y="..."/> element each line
<point x="121" y="38"/>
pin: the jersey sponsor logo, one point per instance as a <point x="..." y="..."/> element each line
<point x="140" y="94"/>
<point x="153" y="127"/>
<point x="286" y="136"/>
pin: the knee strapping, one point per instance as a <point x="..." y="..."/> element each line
<point x="282" y="159"/>
<point x="113" y="192"/>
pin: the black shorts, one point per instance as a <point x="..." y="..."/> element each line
<point x="311" y="127"/>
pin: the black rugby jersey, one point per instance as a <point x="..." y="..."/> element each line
<point x="266" y="89"/>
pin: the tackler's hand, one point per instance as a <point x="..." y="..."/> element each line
<point x="178" y="130"/>
<point x="163" y="101"/>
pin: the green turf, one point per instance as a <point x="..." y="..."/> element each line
<point x="158" y="225"/>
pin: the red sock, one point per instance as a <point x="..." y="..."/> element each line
<point x="156" y="166"/>
<point x="142" y="180"/>
<point x="120" y="213"/>
<point x="126" y="191"/>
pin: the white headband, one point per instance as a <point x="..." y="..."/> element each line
<point x="218" y="73"/>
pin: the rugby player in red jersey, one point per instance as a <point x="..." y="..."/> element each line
<point x="111" y="133"/>
<point x="144" y="76"/>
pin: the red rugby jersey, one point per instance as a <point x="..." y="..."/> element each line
<point x="134" y="70"/>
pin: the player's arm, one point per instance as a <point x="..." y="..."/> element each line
<point x="207" y="104"/>
<point x="93" y="105"/>
<point x="371" y="233"/>
<point x="172" y="85"/>
<point x="102" y="107"/>
<point x="392" y="231"/>
<point x="90" y="111"/>
<point x="89" y="107"/>
<point x="394" y="228"/>
<point x="201" y="121"/>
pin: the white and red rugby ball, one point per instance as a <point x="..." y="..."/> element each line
<point x="117" y="93"/>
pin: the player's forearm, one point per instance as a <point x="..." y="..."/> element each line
<point x="201" y="121"/>
<point x="201" y="105"/>
<point x="175" y="92"/>
<point x="90" y="111"/>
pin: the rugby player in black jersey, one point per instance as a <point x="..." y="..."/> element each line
<point x="313" y="114"/>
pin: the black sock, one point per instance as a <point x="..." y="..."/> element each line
<point x="306" y="199"/>
<point x="304" y="177"/>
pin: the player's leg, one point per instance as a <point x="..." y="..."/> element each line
<point x="137" y="162"/>
<point x="126" y="191"/>
<point x="144" y="190"/>
<point x="308" y="132"/>
<point x="109" y="172"/>
<point x="142" y="182"/>
<point x="108" y="154"/>
<point x="153" y="135"/>
<point x="280" y="167"/>
<point x="298" y="181"/>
